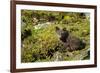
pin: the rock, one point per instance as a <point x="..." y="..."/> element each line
<point x="58" y="56"/>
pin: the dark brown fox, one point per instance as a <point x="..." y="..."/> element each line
<point x="70" y="42"/>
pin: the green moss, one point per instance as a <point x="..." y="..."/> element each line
<point x="35" y="46"/>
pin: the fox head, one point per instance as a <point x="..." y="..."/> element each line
<point x="62" y="33"/>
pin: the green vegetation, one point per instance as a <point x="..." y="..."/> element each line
<point x="39" y="39"/>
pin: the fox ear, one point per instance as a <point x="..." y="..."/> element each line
<point x="64" y="29"/>
<point x="57" y="28"/>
